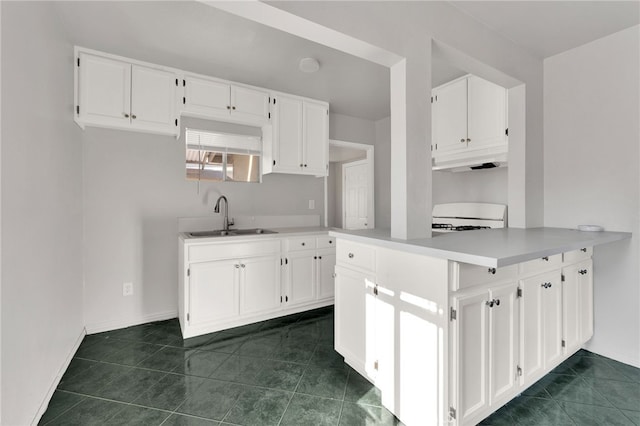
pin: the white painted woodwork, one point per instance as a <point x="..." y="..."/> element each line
<point x="153" y="100"/>
<point x="324" y="274"/>
<point x="449" y="117"/>
<point x="300" y="135"/>
<point x="287" y="131"/>
<point x="470" y="355"/>
<point x="540" y="325"/>
<point x="249" y="105"/>
<point x="114" y="93"/>
<point x="356" y="192"/>
<point x="469" y="119"/>
<point x="259" y="284"/>
<point x="219" y="99"/>
<point x="315" y="149"/>
<point x="487" y="113"/>
<point x="300" y="277"/>
<point x="104" y="91"/>
<point x="213" y="291"/>
<point x="577" y="302"/>
<point x="235" y="282"/>
<point x="354" y="318"/>
<point x="206" y="97"/>
<point x="504" y="343"/>
<point x="504" y="332"/>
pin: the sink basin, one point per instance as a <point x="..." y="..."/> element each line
<point x="230" y="232"/>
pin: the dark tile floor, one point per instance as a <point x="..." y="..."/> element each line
<point x="285" y="372"/>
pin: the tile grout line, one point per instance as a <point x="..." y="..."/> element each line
<point x="344" y="395"/>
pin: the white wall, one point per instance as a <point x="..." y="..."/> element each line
<point x="41" y="209"/>
<point x="591" y="154"/>
<point x="482" y="186"/>
<point x="134" y="191"/>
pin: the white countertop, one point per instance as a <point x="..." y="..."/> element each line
<point x="280" y="232"/>
<point x="488" y="247"/>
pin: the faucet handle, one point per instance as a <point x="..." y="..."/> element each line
<point x="231" y="222"/>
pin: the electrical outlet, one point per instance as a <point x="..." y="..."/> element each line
<point x="127" y="289"/>
<point x="312" y="204"/>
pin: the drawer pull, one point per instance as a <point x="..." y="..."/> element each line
<point x="545" y="285"/>
<point x="489" y="303"/>
<point x="330" y="241"/>
<point x="584" y="250"/>
<point x="546" y="258"/>
<point x="497" y="302"/>
<point x="350" y="255"/>
<point x="492" y="271"/>
<point x="582" y="271"/>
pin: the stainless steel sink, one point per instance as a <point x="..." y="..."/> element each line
<point x="230" y="232"/>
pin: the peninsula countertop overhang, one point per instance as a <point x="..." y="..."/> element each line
<point x="492" y="248"/>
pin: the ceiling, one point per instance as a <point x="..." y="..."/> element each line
<point x="546" y="28"/>
<point x="196" y="37"/>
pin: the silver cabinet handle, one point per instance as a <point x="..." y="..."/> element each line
<point x="350" y="255"/>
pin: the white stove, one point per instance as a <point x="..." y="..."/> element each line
<point x="454" y="217"/>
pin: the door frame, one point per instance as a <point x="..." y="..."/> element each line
<point x="369" y="159"/>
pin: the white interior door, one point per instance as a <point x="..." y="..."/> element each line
<point x="356" y="190"/>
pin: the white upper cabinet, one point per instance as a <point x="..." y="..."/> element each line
<point x="469" y="123"/>
<point x="219" y="99"/>
<point x="113" y="93"/>
<point x="300" y="135"/>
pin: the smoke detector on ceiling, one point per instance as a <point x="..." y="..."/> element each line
<point x="309" y="65"/>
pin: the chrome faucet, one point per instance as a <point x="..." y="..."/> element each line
<point x="216" y="209"/>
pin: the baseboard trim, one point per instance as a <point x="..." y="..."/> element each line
<point x="56" y="380"/>
<point x="117" y="324"/>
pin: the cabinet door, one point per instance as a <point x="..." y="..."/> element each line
<point x="287" y="140"/>
<point x="470" y="354"/>
<point x="249" y="105"/>
<point x="326" y="264"/>
<point x="259" y="284"/>
<point x="206" y="98"/>
<point x="503" y="349"/>
<point x="552" y="319"/>
<point x="531" y="329"/>
<point x="586" y="300"/>
<point x="486" y="113"/>
<point x="316" y="138"/>
<point x="449" y="112"/>
<point x="577" y="303"/>
<point x="213" y="291"/>
<point x="355" y="319"/>
<point x="104" y="91"/>
<point x="153" y="100"/>
<point x="300" y="277"/>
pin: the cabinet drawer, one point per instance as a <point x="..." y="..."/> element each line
<point x="542" y="264"/>
<point x="301" y="243"/>
<point x="356" y="255"/>
<point x="577" y="255"/>
<point x="465" y="275"/>
<point x="199" y="253"/>
<point x="325" y="242"/>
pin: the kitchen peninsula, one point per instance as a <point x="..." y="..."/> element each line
<point x="453" y="327"/>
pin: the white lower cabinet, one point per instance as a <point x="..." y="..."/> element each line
<point x="484" y="350"/>
<point x="355" y="312"/>
<point x="309" y="269"/>
<point x="577" y="300"/>
<point x="228" y="284"/>
<point x="213" y="294"/>
<point x="450" y="343"/>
